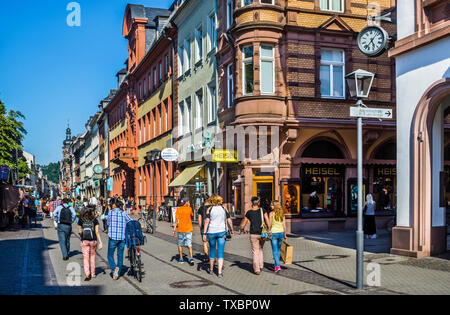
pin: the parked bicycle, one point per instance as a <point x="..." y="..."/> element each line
<point x="146" y="221"/>
<point x="163" y="213"/>
<point x="134" y="239"/>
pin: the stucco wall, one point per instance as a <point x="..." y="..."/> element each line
<point x="416" y="72"/>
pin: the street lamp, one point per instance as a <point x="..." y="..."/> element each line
<point x="359" y="83"/>
<point x="153" y="156"/>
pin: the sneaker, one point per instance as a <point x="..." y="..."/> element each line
<point x="277" y="269"/>
<point x="181" y="261"/>
<point x="220" y="275"/>
<point x="191" y="261"/>
<point x="116" y="274"/>
<point x="208" y="271"/>
<point x="87" y="278"/>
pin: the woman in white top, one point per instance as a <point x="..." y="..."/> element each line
<point x="370" y="227"/>
<point x="217" y="222"/>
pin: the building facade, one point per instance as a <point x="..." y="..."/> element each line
<point x="282" y="65"/>
<point x="195" y="114"/>
<point x="422" y="60"/>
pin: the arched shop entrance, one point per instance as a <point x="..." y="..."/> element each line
<point x="421" y="228"/>
<point x="320" y="190"/>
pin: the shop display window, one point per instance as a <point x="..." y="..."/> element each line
<point x="384" y="189"/>
<point x="291" y="198"/>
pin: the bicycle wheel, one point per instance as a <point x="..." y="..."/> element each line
<point x="138" y="268"/>
<point x="132" y="257"/>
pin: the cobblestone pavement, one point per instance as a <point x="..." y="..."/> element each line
<point x="324" y="263"/>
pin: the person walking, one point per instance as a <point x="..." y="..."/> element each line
<point x="201" y="223"/>
<point x="117" y="221"/>
<point x="256" y="216"/>
<point x="33" y="206"/>
<point x="90" y="238"/>
<point x="104" y="216"/>
<point x="370" y="227"/>
<point x="278" y="229"/>
<point x="217" y="223"/>
<point x="183" y="221"/>
<point x="64" y="217"/>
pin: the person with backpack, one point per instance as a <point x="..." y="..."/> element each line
<point x="79" y="207"/>
<point x="117" y="221"/>
<point x="64" y="217"/>
<point x="90" y="238"/>
<point x="217" y="224"/>
<point x="257" y="217"/>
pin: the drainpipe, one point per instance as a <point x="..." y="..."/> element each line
<point x="216" y="9"/>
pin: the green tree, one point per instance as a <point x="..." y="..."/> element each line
<point x="12" y="133"/>
<point x="51" y="171"/>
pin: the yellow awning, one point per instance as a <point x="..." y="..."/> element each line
<point x="186" y="175"/>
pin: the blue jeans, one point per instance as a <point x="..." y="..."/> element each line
<point x="64" y="232"/>
<point x="277" y="240"/>
<point x="112" y="245"/>
<point x="214" y="240"/>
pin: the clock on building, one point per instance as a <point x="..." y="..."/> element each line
<point x="98" y="169"/>
<point x="373" y="40"/>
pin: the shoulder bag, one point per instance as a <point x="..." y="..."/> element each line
<point x="266" y="234"/>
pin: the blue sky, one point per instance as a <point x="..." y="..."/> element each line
<point x="53" y="73"/>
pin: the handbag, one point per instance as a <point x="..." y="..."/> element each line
<point x="266" y="234"/>
<point x="227" y="230"/>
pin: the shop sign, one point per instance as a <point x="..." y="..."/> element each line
<point x="321" y="171"/>
<point x="169" y="155"/>
<point x="225" y="156"/>
<point x="385" y="171"/>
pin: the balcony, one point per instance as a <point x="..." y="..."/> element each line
<point x="124" y="157"/>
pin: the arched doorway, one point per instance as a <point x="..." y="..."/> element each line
<point x="322" y="175"/>
<point x="425" y="234"/>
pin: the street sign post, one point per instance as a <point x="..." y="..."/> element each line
<point x="380" y="113"/>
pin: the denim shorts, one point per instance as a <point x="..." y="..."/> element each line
<point x="185" y="239"/>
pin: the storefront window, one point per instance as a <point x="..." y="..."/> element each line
<point x="291" y="198"/>
<point x="321" y="191"/>
<point x="353" y="196"/>
<point x="384" y="188"/>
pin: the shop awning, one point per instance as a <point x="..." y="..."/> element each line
<point x="186" y="175"/>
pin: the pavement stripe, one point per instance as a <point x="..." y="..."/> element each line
<point x="193" y="274"/>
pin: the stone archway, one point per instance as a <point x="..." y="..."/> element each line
<point x="421" y="239"/>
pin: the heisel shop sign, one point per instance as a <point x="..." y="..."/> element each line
<point x="225" y="156"/>
<point x="169" y="155"/>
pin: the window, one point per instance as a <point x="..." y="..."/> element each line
<point x="160" y="72"/>
<point x="246" y="2"/>
<point x="154" y="78"/>
<point x="198" y="109"/>
<point x="180" y="119"/>
<point x="230" y="12"/>
<point x="212" y="106"/>
<point x="247" y="65"/>
<point x="187" y="55"/>
<point x="141" y="93"/>
<point x="187" y="116"/>
<point x="145" y="88"/>
<point x="198" y="44"/>
<point x="230" y="85"/>
<point x="180" y="61"/>
<point x="212" y="31"/>
<point x="167" y="65"/>
<point x="332" y="73"/>
<point x="332" y="5"/>
<point x="266" y="1"/>
<point x="149" y="83"/>
<point x="267" y="69"/>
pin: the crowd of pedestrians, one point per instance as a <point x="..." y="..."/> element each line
<point x="214" y="223"/>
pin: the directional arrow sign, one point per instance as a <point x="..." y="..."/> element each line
<point x="380" y="113"/>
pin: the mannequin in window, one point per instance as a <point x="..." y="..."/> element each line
<point x="313" y="200"/>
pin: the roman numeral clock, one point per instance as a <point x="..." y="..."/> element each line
<point x="373" y="40"/>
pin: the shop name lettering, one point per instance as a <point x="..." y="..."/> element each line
<point x="321" y="171"/>
<point x="387" y="171"/>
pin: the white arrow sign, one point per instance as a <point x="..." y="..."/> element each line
<point x="371" y="112"/>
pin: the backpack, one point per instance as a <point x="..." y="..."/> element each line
<point x="133" y="234"/>
<point x="65" y="216"/>
<point x="88" y="231"/>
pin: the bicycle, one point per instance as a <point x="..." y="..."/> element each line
<point x="146" y="221"/>
<point x="163" y="214"/>
<point x="134" y="255"/>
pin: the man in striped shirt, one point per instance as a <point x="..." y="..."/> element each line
<point x="117" y="221"/>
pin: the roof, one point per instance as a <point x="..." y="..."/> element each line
<point x="139" y="11"/>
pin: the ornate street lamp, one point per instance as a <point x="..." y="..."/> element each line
<point x="359" y="83"/>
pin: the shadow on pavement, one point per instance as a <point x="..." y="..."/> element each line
<point x="26" y="268"/>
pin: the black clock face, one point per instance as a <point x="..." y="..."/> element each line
<point x="372" y="40"/>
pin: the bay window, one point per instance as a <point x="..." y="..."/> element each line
<point x="267" y="72"/>
<point x="230" y="85"/>
<point x="247" y="66"/>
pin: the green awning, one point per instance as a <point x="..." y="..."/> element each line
<point x="186" y="175"/>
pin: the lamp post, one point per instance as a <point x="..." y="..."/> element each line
<point x="154" y="155"/>
<point x="359" y="83"/>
